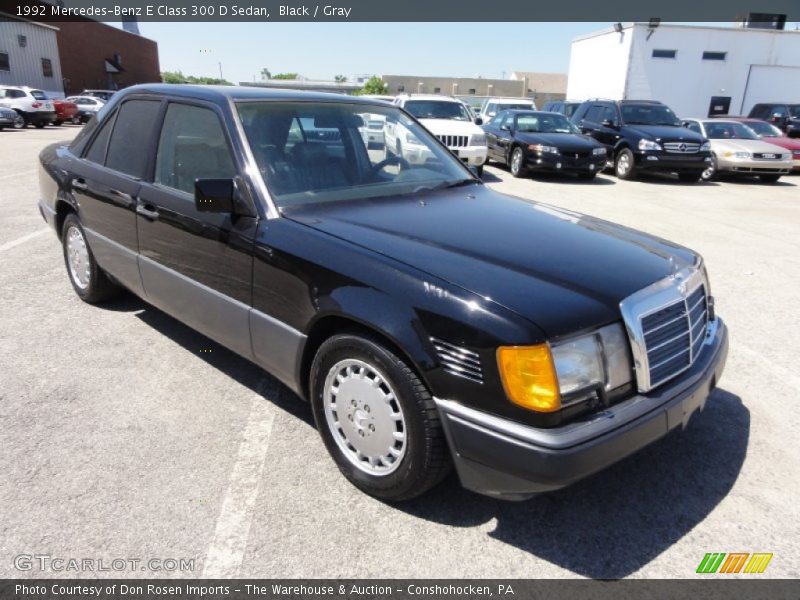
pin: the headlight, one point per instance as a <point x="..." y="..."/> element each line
<point x="599" y="151"/>
<point x="545" y="379"/>
<point x="649" y="145"/>
<point x="542" y="149"/>
<point x="706" y="147"/>
<point x="739" y="155"/>
<point x="478" y="139"/>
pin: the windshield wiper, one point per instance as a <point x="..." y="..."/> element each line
<point x="446" y="185"/>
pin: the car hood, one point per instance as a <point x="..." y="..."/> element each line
<point x="784" y="142"/>
<point x="561" y="270"/>
<point x="566" y="142"/>
<point x="450" y="127"/>
<point x="745" y="146"/>
<point x="666" y="132"/>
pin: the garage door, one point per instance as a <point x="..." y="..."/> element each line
<point x="771" y="84"/>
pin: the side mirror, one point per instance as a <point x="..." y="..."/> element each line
<point x="608" y="123"/>
<point x="505" y="128"/>
<point x="478" y="121"/>
<point x="214" y="195"/>
<point x="777" y="117"/>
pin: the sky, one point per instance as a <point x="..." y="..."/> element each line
<point x="323" y="50"/>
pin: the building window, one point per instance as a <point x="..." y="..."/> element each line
<point x="437" y="90"/>
<point x="471" y="91"/>
<point x="401" y="88"/>
<point x="664" y="53"/>
<point x="47" y="67"/>
<point x="714" y="55"/>
<point x="22" y="40"/>
<point x="4" y="64"/>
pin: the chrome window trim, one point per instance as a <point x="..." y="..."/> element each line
<point x="661" y="294"/>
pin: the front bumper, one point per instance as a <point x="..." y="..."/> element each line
<point x="505" y="459"/>
<point x="471" y="155"/>
<point x="665" y="161"/>
<point x="566" y="163"/>
<point x="755" y="167"/>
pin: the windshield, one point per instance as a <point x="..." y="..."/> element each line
<point x="437" y="109"/>
<point x="648" y="114"/>
<point x="764" y="129"/>
<point x="544" y="123"/>
<point x="795" y="110"/>
<point x="729" y="131"/>
<point x="319" y="152"/>
<point x="523" y="106"/>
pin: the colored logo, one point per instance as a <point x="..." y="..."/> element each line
<point x="734" y="562"/>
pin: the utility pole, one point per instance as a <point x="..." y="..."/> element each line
<point x="220" y="70"/>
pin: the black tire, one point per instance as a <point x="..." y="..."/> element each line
<point x="21" y="122"/>
<point x="99" y="287"/>
<point x="77" y="121"/>
<point x="712" y="170"/>
<point x="57" y="123"/>
<point x="690" y="176"/>
<point x="769" y="178"/>
<point x="625" y="165"/>
<point x="39" y="125"/>
<point x="516" y="162"/>
<point x="479" y="171"/>
<point x="587" y="176"/>
<point x="426" y="460"/>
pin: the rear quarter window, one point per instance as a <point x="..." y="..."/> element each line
<point x="129" y="147"/>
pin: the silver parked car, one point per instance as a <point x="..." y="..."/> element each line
<point x="736" y="149"/>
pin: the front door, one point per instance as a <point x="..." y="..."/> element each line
<point x="196" y="265"/>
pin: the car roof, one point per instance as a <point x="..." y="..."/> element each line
<point x="431" y="97"/>
<point x="522" y="111"/>
<point x="220" y="93"/>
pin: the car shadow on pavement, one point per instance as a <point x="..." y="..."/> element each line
<point x="219" y="357"/>
<point x="658" y="178"/>
<point x="616" y="522"/>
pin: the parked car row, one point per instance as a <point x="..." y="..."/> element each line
<point x="31" y="106"/>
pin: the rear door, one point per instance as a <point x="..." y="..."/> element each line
<point x="196" y="265"/>
<point x="105" y="182"/>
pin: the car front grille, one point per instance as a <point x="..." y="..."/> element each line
<point x="458" y="361"/>
<point x="454" y="141"/>
<point x="682" y="147"/>
<point x="667" y="323"/>
<point x="674" y="336"/>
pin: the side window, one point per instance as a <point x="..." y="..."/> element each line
<point x="97" y="151"/>
<point x="761" y="111"/>
<point x="593" y="115"/>
<point x="779" y="110"/>
<point x="192" y="146"/>
<point x="128" y="148"/>
<point x="693" y="126"/>
<point x="608" y="114"/>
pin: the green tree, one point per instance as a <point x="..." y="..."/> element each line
<point x="285" y="76"/>
<point x="374" y="85"/>
<point x="340" y="79"/>
<point x="179" y="77"/>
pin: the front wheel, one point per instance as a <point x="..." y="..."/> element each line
<point x="57" y="123"/>
<point x="87" y="278"/>
<point x="517" y="165"/>
<point x="624" y="166"/>
<point x="20" y="122"/>
<point x="769" y="178"/>
<point x="377" y="419"/>
<point x="711" y="171"/>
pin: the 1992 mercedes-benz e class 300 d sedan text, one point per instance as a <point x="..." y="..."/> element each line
<point x="429" y="320"/>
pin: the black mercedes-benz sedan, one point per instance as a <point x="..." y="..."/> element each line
<point x="527" y="140"/>
<point x="429" y="320"/>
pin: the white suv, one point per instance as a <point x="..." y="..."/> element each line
<point x="492" y="106"/>
<point x="446" y="118"/>
<point x="32" y="106"/>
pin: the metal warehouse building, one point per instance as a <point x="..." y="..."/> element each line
<point x="695" y="70"/>
<point x="29" y="55"/>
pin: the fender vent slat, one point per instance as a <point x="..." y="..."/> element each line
<point x="458" y="361"/>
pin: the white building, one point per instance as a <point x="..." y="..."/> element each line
<point x="29" y="55"/>
<point x="695" y="70"/>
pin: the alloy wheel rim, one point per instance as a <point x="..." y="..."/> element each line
<point x="78" y="258"/>
<point x="516" y="161"/>
<point x="365" y="417"/>
<point x="624" y="164"/>
<point x="19" y="122"/>
<point x="709" y="172"/>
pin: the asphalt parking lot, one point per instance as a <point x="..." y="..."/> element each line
<point x="124" y="434"/>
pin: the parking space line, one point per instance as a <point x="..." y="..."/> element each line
<point x="23" y="239"/>
<point x="226" y="551"/>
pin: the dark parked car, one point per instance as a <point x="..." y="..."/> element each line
<point x="428" y="319"/>
<point x="7" y="117"/>
<point x="562" y="107"/>
<point x="528" y="141"/>
<point x="784" y="115"/>
<point x="644" y="135"/>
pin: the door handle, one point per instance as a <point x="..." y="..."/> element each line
<point x="79" y="184"/>
<point x="147" y="211"/>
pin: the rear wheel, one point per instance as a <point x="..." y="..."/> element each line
<point x="769" y="178"/>
<point x="517" y="163"/>
<point x="377" y="419"/>
<point x="690" y="176"/>
<point x="88" y="280"/>
<point x="624" y="166"/>
<point x="39" y="124"/>
<point x="20" y="122"/>
<point x="57" y="123"/>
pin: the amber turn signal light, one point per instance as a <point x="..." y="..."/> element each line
<point x="529" y="377"/>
